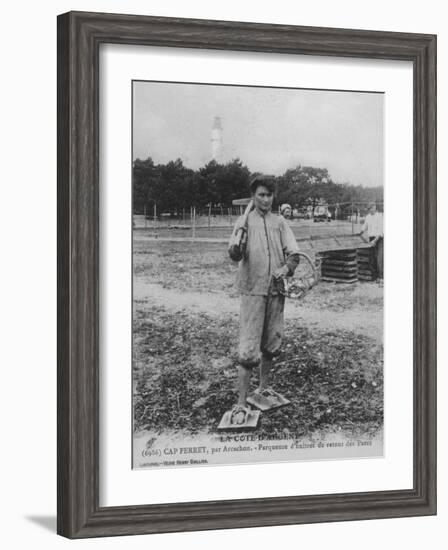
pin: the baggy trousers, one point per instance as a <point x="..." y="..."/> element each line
<point x="379" y="257"/>
<point x="261" y="327"/>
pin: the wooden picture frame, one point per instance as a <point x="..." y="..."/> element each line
<point x="79" y="38"/>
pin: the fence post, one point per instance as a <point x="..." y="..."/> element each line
<point x="352" y="218"/>
<point x="209" y="214"/>
<point x="194" y="222"/>
<point x="144" y="213"/>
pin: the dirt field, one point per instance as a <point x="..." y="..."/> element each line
<point x="185" y="337"/>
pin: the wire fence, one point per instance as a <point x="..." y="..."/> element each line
<point x="217" y="223"/>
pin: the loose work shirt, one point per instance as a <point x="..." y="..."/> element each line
<point x="270" y="242"/>
<point x="374" y="225"/>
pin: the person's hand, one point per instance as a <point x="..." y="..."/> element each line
<point x="281" y="272"/>
<point x="235" y="253"/>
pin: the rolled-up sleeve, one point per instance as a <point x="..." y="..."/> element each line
<point x="290" y="247"/>
<point x="289" y="242"/>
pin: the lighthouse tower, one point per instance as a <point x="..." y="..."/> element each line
<point x="217" y="140"/>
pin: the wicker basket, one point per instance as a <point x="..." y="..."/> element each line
<point x="303" y="280"/>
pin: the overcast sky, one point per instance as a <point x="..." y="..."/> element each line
<point x="269" y="129"/>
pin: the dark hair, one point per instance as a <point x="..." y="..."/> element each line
<point x="262" y="180"/>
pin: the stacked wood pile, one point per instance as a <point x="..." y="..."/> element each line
<point x="347" y="265"/>
<point x="366" y="264"/>
<point x="339" y="266"/>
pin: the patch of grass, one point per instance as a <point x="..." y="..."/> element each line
<point x="185" y="376"/>
<point x="339" y="297"/>
<point x="185" y="266"/>
<point x="206" y="267"/>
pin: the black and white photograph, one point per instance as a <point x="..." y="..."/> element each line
<point x="203" y="347"/>
<point x="257" y="274"/>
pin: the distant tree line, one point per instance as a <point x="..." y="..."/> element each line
<point x="175" y="188"/>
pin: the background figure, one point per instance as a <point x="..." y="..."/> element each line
<point x="373" y="228"/>
<point x="286" y="211"/>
